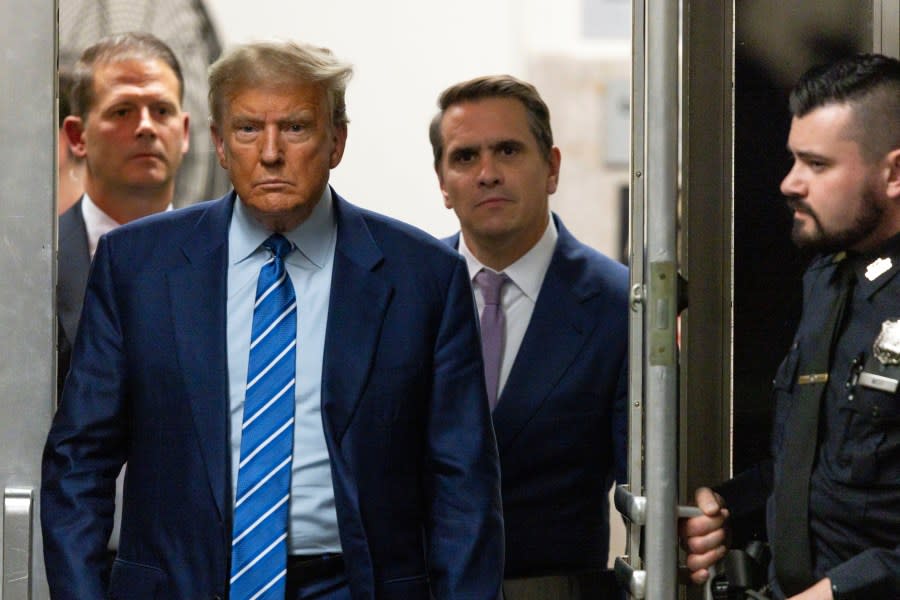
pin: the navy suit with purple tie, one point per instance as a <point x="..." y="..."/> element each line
<point x="561" y="419"/>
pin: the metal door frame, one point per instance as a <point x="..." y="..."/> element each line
<point x="681" y="181"/>
<point x="650" y="500"/>
<point x="682" y="222"/>
<point x="886" y="27"/>
<point x="28" y="267"/>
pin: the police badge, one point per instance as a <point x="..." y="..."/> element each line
<point x="887" y="345"/>
<point x="878" y="267"/>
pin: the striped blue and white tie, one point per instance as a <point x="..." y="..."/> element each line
<point x="259" y="539"/>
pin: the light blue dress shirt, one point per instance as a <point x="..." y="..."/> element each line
<point x="313" y="526"/>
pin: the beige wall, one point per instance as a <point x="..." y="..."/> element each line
<point x="405" y="52"/>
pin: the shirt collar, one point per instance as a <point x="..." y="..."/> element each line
<point x="97" y="222"/>
<point x="313" y="238"/>
<point x="529" y="270"/>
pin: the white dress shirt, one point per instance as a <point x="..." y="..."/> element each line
<point x="313" y="519"/>
<point x="520" y="293"/>
<point x="97" y="222"/>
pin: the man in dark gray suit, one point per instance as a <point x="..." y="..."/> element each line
<point x="128" y="126"/>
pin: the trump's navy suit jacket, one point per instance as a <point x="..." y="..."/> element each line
<point x="413" y="455"/>
<point x="561" y="419"/>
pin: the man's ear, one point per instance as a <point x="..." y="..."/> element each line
<point x="553" y="175"/>
<point x="893" y="175"/>
<point x="447" y="202"/>
<point x="339" y="139"/>
<point x="219" y="143"/>
<point x="73" y="132"/>
<point x="186" y="142"/>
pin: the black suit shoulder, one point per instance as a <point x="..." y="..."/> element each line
<point x="590" y="272"/>
<point x="158" y="241"/>
<point x="389" y="229"/>
<point x="73" y="265"/>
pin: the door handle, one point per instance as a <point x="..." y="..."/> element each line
<point x="18" y="505"/>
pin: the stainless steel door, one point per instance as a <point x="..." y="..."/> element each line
<point x="27" y="265"/>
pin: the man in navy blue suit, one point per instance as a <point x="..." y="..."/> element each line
<point x="559" y="379"/>
<point x="393" y="488"/>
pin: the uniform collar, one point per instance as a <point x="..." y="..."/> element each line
<point x="877" y="267"/>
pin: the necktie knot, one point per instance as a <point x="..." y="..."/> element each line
<point x="847" y="273"/>
<point x="278" y="245"/>
<point x="491" y="285"/>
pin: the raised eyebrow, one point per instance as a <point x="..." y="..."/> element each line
<point x="460" y="150"/>
<point x="806" y="156"/>
<point x="511" y="143"/>
<point x="238" y="120"/>
<point x="120" y="105"/>
<point x="301" y="117"/>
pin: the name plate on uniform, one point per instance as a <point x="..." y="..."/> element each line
<point x="877" y="382"/>
<point x="812" y="378"/>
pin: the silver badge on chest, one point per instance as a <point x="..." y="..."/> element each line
<point x="887" y="345"/>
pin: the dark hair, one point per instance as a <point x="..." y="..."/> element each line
<point x="117" y="48"/>
<point x="870" y="84"/>
<point x="274" y="63"/>
<point x="495" y="86"/>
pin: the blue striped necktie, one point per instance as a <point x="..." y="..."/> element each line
<point x="259" y="539"/>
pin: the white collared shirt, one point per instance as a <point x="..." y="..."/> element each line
<point x="519" y="295"/>
<point x="97" y="222"/>
<point x="313" y="517"/>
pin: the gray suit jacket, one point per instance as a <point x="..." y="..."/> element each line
<point x="74" y="264"/>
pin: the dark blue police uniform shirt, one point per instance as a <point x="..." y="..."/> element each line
<point x="855" y="484"/>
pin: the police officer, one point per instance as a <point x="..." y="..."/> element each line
<point x="833" y="517"/>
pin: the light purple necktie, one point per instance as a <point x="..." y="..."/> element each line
<point x="493" y="329"/>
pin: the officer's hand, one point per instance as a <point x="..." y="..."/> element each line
<point x="704" y="537"/>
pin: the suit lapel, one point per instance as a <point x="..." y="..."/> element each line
<point x="359" y="299"/>
<point x="558" y="329"/>
<point x="198" y="295"/>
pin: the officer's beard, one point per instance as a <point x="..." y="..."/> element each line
<point x="826" y="242"/>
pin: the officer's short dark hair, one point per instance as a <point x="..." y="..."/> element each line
<point x="495" y="86"/>
<point x="121" y="47"/>
<point x="870" y="83"/>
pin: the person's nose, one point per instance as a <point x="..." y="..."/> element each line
<point x="270" y="153"/>
<point x="792" y="185"/>
<point x="489" y="173"/>
<point x="146" y="126"/>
